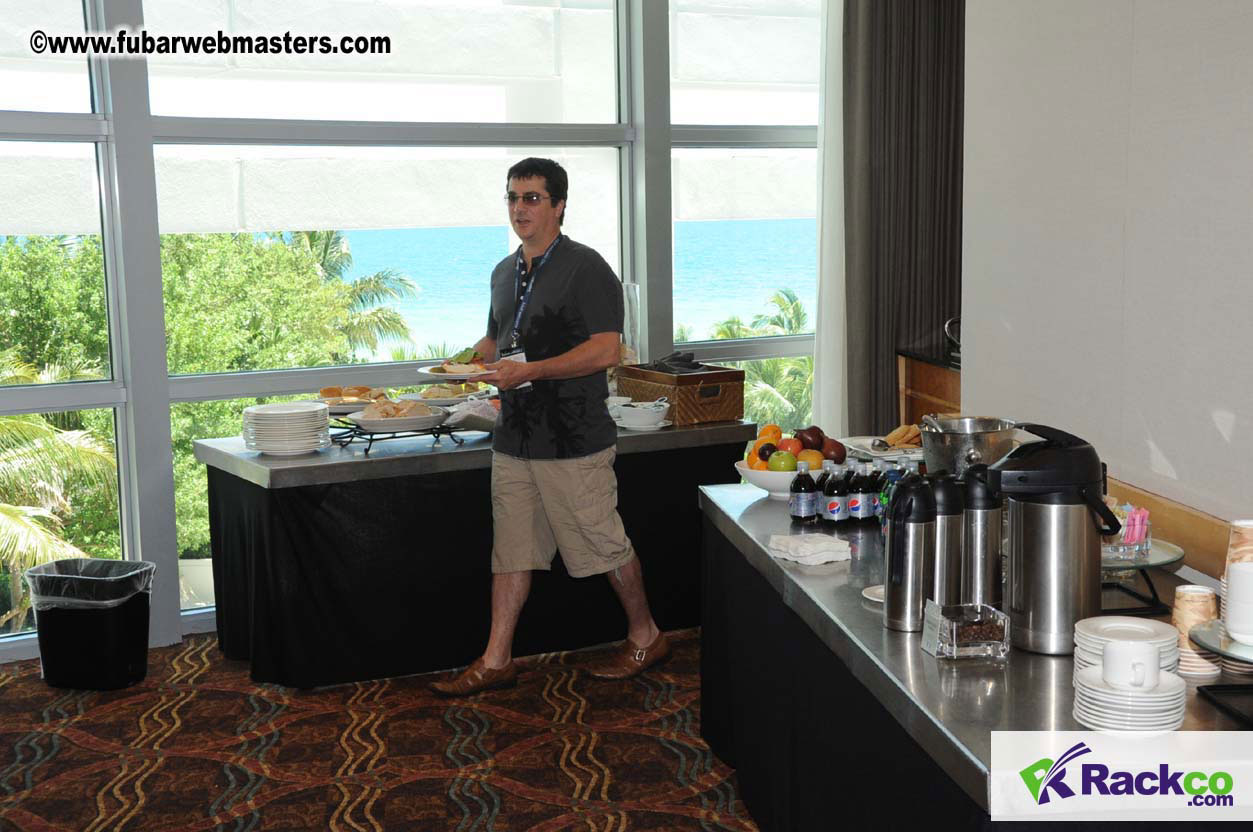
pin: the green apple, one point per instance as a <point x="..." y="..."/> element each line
<point x="781" y="461"/>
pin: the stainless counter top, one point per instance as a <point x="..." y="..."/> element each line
<point x="949" y="707"/>
<point x="423" y="455"/>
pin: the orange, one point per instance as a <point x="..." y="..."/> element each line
<point x="814" y="458"/>
<point x="757" y="463"/>
<point x="772" y="432"/>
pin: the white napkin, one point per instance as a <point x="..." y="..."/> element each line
<point x="809" y="548"/>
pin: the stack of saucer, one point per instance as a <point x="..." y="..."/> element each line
<point x="1194" y="605"/>
<point x="1092" y="634"/>
<point x="286" y="429"/>
<point x="1233" y="667"/>
<point x="1100" y="705"/>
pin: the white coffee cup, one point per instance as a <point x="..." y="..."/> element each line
<point x="1238" y="616"/>
<point x="1130" y="665"/>
<point x="1240" y="583"/>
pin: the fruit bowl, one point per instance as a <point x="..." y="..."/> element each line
<point x="776" y="483"/>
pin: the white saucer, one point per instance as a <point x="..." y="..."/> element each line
<point x="873" y="593"/>
<point x="1093" y="721"/>
<point x="1169" y="686"/>
<point x="1130" y="718"/>
<point x="1096" y="631"/>
<point x="1139" y="708"/>
<point x="665" y="423"/>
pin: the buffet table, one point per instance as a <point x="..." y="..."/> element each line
<point x="338" y="566"/>
<point x="813" y="701"/>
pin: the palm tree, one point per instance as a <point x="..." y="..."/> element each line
<point x="427" y="352"/>
<point x="370" y="322"/>
<point x="778" y="390"/>
<point x="682" y="334"/>
<point x="40" y="465"/>
<point x="731" y="328"/>
<point x="789" y="317"/>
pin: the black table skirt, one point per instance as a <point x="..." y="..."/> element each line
<point x="336" y="583"/>
<point x="812" y="747"/>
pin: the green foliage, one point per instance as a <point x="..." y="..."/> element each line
<point x="778" y="390"/>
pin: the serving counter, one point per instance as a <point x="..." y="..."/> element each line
<point x="807" y="695"/>
<point x="341" y="566"/>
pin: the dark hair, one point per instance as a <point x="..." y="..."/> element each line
<point x="554" y="175"/>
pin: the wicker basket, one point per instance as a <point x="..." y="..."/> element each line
<point x="716" y="395"/>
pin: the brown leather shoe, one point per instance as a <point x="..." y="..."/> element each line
<point x="477" y="677"/>
<point x="631" y="660"/>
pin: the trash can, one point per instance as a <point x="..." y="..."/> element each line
<point x="92" y="618"/>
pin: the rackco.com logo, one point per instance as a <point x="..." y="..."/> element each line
<point x="1046" y="779"/>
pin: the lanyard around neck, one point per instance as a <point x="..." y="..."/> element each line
<point x="526" y="296"/>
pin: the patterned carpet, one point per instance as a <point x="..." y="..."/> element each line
<point x="198" y="746"/>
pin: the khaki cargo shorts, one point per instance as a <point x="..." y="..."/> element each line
<point x="542" y="505"/>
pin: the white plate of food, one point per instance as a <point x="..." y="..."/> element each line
<point x="863" y="446"/>
<point x="463" y="366"/>
<point x="349" y="399"/>
<point x="392" y="417"/>
<point x="446" y="394"/>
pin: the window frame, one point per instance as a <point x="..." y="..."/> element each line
<point x="142" y="392"/>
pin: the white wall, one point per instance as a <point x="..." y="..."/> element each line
<point x="1108" y="233"/>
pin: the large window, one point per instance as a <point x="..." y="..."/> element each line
<point x="264" y="269"/>
<point x="447" y="60"/>
<point x="53" y="310"/>
<point x="744" y="62"/>
<point x="745" y="243"/>
<point x="31" y="77"/>
<point x="274" y="222"/>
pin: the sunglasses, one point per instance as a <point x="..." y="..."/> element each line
<point x="528" y="198"/>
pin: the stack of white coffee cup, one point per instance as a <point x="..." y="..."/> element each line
<point x="1239" y="571"/>
<point x="1129" y="691"/>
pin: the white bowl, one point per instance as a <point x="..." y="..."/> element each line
<point x="614" y="403"/>
<point x="644" y="415"/>
<point x="776" y="483"/>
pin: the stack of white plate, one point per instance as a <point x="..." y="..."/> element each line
<point x="1091" y="635"/>
<point x="1101" y="706"/>
<point x="1194" y="661"/>
<point x="286" y="429"/>
<point x="1235" y="667"/>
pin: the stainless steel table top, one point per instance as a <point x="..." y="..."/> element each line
<point x="949" y="707"/>
<point x="423" y="455"/>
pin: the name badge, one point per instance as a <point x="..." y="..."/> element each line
<point x="516" y="354"/>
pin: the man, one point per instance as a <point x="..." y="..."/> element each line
<point x="554" y="327"/>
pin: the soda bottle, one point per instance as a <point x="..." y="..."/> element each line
<point x="861" y="494"/>
<point x="803" y="500"/>
<point x="834" y="499"/>
<point x="827" y="467"/>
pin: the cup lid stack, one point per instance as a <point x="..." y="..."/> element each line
<point x="1092" y="634"/>
<point x="1194" y="605"/>
<point x="287" y="428"/>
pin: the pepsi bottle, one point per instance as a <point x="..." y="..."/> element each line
<point x="861" y="495"/>
<point x="803" y="497"/>
<point x="834" y="499"/>
<point x="827" y="467"/>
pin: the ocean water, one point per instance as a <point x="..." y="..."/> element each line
<point x="721" y="268"/>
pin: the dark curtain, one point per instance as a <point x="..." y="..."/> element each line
<point x="903" y="82"/>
